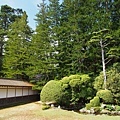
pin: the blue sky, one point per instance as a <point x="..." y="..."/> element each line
<point x="30" y="6"/>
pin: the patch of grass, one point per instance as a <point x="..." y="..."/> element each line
<point x="33" y="111"/>
<point x="59" y="114"/>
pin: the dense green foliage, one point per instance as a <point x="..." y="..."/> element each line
<point x="95" y="102"/>
<point x="69" y="90"/>
<point x="66" y="42"/>
<point x="59" y="46"/>
<point x="52" y="92"/>
<point x="16" y="59"/>
<point x="8" y="15"/>
<point x="113" y="82"/>
<point x="105" y="96"/>
<point x="81" y="86"/>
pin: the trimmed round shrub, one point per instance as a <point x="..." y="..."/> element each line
<point x="105" y="95"/>
<point x="52" y="91"/>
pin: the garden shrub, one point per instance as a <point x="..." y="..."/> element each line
<point x="99" y="82"/>
<point x="57" y="92"/>
<point x="65" y="86"/>
<point x="70" y="90"/>
<point x="113" y="82"/>
<point x="81" y="88"/>
<point x="105" y="95"/>
<point x="65" y="80"/>
<point x="109" y="107"/>
<point x="117" y="108"/>
<point x="75" y="83"/>
<point x="71" y="77"/>
<point x="85" y="78"/>
<point x="88" y="106"/>
<point x="95" y="102"/>
<point x="52" y="91"/>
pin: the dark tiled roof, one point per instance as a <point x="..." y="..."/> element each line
<point x="6" y="82"/>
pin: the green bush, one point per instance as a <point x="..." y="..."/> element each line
<point x="95" y="102"/>
<point x="99" y="82"/>
<point x="88" y="106"/>
<point x="75" y="83"/>
<point x="52" y="91"/>
<point x="71" y="77"/>
<point x="69" y="90"/>
<point x="85" y="78"/>
<point x="117" y="108"/>
<point x="109" y="107"/>
<point x="113" y="82"/>
<point x="57" y="92"/>
<point x="81" y="87"/>
<point x="65" y="80"/>
<point x="105" y="95"/>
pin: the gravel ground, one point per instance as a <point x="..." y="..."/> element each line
<point x="21" y="112"/>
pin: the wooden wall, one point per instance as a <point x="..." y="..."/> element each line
<point x="7" y="92"/>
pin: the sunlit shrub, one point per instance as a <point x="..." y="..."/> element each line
<point x="105" y="95"/>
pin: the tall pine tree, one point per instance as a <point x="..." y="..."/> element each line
<point x="41" y="46"/>
<point x="16" y="55"/>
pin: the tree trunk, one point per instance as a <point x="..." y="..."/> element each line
<point x="103" y="63"/>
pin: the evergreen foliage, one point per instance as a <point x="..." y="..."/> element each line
<point x="16" y="59"/>
<point x="66" y="92"/>
<point x="113" y="82"/>
<point x="105" y="95"/>
<point x="95" y="102"/>
<point x="8" y="15"/>
<point x="64" y="43"/>
<point x="55" y="93"/>
<point x="42" y="57"/>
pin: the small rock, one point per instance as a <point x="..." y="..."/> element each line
<point x="92" y="111"/>
<point x="88" y="111"/>
<point x="118" y="112"/>
<point x="113" y="112"/>
<point x="59" y="107"/>
<point x="83" y="110"/>
<point x="103" y="106"/>
<point x="52" y="105"/>
<point x="105" y="111"/>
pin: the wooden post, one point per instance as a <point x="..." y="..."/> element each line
<point x="7" y="92"/>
